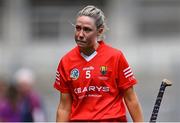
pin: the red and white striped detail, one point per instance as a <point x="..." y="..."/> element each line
<point x="57" y="75"/>
<point x="128" y="72"/>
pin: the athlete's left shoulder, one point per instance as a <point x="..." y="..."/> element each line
<point x="111" y="50"/>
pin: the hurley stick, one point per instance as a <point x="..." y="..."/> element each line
<point x="157" y="104"/>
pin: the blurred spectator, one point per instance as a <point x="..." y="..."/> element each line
<point x="3" y="91"/>
<point x="10" y="110"/>
<point x="31" y="104"/>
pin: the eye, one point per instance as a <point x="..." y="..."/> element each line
<point x="87" y="29"/>
<point x="78" y="28"/>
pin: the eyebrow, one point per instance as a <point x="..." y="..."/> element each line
<point x="84" y="27"/>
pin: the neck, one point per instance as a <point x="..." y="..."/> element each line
<point x="88" y="51"/>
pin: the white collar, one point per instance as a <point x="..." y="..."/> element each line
<point x="88" y="58"/>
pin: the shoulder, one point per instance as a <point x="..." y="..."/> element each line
<point x="111" y="50"/>
<point x="71" y="54"/>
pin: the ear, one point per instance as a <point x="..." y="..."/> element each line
<point x="100" y="31"/>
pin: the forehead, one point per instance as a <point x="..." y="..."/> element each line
<point x="85" y="21"/>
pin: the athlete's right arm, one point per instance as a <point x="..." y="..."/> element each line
<point x="64" y="108"/>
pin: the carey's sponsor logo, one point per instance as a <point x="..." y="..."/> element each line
<point x="103" y="70"/>
<point x="74" y="75"/>
<point x="91" y="88"/>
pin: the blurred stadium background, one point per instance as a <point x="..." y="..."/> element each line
<point x="37" y="33"/>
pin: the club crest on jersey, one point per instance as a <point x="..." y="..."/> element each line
<point x="74" y="75"/>
<point x="103" y="70"/>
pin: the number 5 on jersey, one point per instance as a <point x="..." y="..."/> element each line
<point x="88" y="74"/>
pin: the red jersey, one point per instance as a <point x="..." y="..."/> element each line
<point x="96" y="83"/>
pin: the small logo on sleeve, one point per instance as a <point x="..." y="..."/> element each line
<point x="74" y="75"/>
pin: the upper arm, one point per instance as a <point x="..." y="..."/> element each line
<point x="61" y="81"/>
<point x="133" y="105"/>
<point x="65" y="101"/>
<point x="129" y="94"/>
<point x="64" y="108"/>
<point x="125" y="76"/>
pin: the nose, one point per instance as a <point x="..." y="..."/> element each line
<point x="81" y="34"/>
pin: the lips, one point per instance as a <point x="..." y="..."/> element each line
<point x="80" y="42"/>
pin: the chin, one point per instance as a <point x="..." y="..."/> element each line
<point x="81" y="46"/>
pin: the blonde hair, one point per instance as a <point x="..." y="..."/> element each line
<point x="96" y="13"/>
